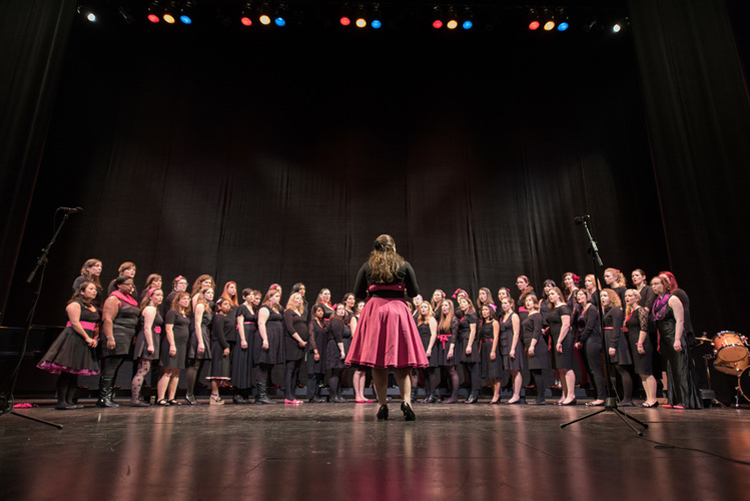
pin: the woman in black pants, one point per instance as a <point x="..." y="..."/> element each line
<point x="119" y="322"/>
<point x="296" y="335"/>
<point x="316" y="360"/>
<point x="590" y="344"/>
<point x="469" y="346"/>
<point x="617" y="346"/>
<point x="336" y="350"/>
<point x="537" y="353"/>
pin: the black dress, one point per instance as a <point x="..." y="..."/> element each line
<point x="70" y="353"/>
<point x="615" y="338"/>
<point x="506" y="343"/>
<point x="181" y="331"/>
<point x="141" y="346"/>
<point x="464" y="329"/>
<point x="294" y="323"/>
<point x="205" y="335"/>
<point x="124" y="326"/>
<point x="636" y="322"/>
<point x="320" y="333"/>
<point x="446" y="337"/>
<point x="220" y="362"/>
<point x="337" y="332"/>
<point x="531" y="328"/>
<point x="683" y="390"/>
<point x="490" y="369"/>
<point x="563" y="360"/>
<point x="242" y="359"/>
<point x="425" y="334"/>
<point x="275" y="332"/>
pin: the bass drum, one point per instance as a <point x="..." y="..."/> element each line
<point x="732" y="368"/>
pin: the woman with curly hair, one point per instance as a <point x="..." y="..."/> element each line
<point x="388" y="336"/>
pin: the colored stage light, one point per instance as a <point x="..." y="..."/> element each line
<point x="452" y="24"/>
<point x="616" y="28"/>
<point x="534" y="25"/>
<point x="563" y="21"/>
<point x="153" y="18"/>
<point x="186" y="13"/>
<point x="467" y="25"/>
<point x="376" y="24"/>
<point x="533" y="20"/>
<point x="91" y="17"/>
<point x="437" y="17"/>
<point x="168" y="18"/>
<point x="360" y="23"/>
<point x="549" y="26"/>
<point x="345" y="21"/>
<point x="563" y="26"/>
<point x="265" y="19"/>
<point x="468" y="19"/>
<point x="280" y="17"/>
<point x="246" y="21"/>
<point x="280" y="21"/>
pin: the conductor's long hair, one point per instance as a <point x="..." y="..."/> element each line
<point x="384" y="260"/>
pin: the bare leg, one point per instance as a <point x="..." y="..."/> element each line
<point x="174" y="381"/>
<point x="161" y="386"/>
<point x="495" y="390"/>
<point x="517" y="382"/>
<point x="380" y="379"/>
<point x="569" y="382"/>
<point x="403" y="378"/>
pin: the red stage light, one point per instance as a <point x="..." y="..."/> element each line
<point x="534" y="25"/>
<point x="345" y="21"/>
<point x="437" y="24"/>
<point x="246" y="21"/>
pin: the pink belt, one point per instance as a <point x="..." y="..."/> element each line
<point x="86" y="325"/>
<point x="391" y="287"/>
<point x="443" y="338"/>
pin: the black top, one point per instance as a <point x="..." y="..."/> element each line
<point x="685" y="300"/>
<point x="219" y="331"/>
<point x="338" y="330"/>
<point x="464" y="326"/>
<point x="405" y="275"/>
<point x="588" y="326"/>
<point x="648" y="296"/>
<point x="294" y="322"/>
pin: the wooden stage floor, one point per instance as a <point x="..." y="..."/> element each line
<point x="339" y="451"/>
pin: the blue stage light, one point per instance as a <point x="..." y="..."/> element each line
<point x="376" y="24"/>
<point x="186" y="19"/>
<point x="280" y="21"/>
<point x="562" y="26"/>
<point x="467" y="25"/>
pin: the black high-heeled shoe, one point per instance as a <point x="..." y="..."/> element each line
<point x="408" y="412"/>
<point x="383" y="413"/>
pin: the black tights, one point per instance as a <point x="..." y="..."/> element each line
<point x="430" y="381"/>
<point x="135" y="387"/>
<point x="453" y="375"/>
<point x="538" y="375"/>
<point x="291" y="374"/>
<point x="66" y="387"/>
<point x="191" y="375"/>
<point x="627" y="383"/>
<point x="333" y="383"/>
<point x="473" y="372"/>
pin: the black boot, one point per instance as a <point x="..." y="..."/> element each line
<point x="105" y="393"/>
<point x="262" y="397"/>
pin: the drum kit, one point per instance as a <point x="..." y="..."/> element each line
<point x="731" y="355"/>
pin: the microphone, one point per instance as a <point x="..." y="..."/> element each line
<point x="70" y="210"/>
<point x="582" y="219"/>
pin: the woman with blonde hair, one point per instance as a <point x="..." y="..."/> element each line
<point x="295" y="340"/>
<point x="636" y="328"/>
<point x="388" y="336"/>
<point x="427" y="327"/>
<point x="269" y="345"/>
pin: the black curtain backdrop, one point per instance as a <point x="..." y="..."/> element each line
<point x="698" y="113"/>
<point x="278" y="157"/>
<point x="33" y="37"/>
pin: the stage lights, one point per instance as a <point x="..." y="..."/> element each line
<point x="154" y="11"/>
<point x="186" y="13"/>
<point x="280" y="18"/>
<point x="362" y="17"/>
<point x="562" y="19"/>
<point x="246" y="15"/>
<point x="533" y="20"/>
<point x="451" y="19"/>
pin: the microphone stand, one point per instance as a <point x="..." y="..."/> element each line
<point x="610" y="404"/>
<point x="40" y="264"/>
